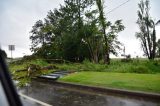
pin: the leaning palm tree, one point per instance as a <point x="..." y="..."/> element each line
<point x="110" y="32"/>
<point x="103" y="26"/>
<point x="147" y="34"/>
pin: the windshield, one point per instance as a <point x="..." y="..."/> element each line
<point x="3" y="100"/>
<point x="82" y="52"/>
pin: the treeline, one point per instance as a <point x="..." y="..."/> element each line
<point x="76" y="31"/>
<point x="79" y="30"/>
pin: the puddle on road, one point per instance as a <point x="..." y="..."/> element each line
<point x="60" y="96"/>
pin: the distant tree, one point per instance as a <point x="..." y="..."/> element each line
<point x="147" y="34"/>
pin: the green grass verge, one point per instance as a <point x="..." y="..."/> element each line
<point x="130" y="81"/>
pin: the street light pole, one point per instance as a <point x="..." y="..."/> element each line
<point x="11" y="55"/>
<point x="11" y="48"/>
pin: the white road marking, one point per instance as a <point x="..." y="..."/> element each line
<point x="35" y="100"/>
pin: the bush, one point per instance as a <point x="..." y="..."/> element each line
<point x="39" y="62"/>
<point x="139" y="69"/>
<point x="127" y="59"/>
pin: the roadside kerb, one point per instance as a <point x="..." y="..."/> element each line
<point x="114" y="91"/>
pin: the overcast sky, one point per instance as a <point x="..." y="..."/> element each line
<point x="18" y="16"/>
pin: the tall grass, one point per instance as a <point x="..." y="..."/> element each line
<point x="134" y="66"/>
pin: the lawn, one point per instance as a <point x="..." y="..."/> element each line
<point x="130" y="81"/>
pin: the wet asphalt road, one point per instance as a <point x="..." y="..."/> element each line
<point x="60" y="96"/>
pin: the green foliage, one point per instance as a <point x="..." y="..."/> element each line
<point x="39" y="62"/>
<point x="139" y="69"/>
<point x="23" y="82"/>
<point x="60" y="36"/>
<point x="22" y="76"/>
<point x="73" y="33"/>
<point x="134" y="66"/>
<point x="26" y="61"/>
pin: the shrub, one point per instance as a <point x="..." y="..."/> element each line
<point x="139" y="69"/>
<point x="127" y="59"/>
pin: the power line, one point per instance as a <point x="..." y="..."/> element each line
<point x="118" y="7"/>
<point x="108" y="2"/>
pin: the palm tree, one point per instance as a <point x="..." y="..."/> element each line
<point x="147" y="34"/>
<point x="103" y="25"/>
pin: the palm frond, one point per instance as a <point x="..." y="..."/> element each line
<point x="158" y="22"/>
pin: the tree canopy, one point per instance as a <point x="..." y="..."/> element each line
<point x="75" y="32"/>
